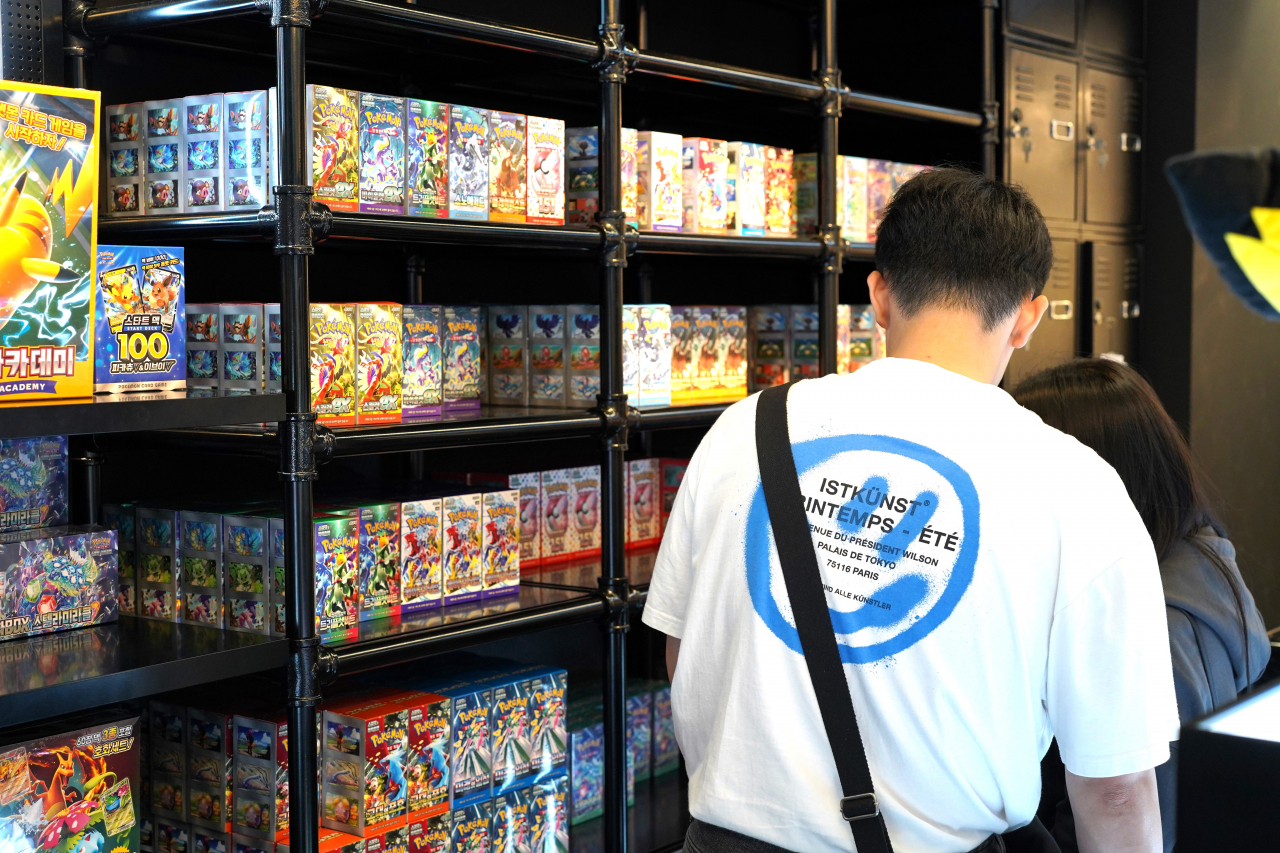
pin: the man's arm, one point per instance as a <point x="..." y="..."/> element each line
<point x="673" y="655"/>
<point x="1114" y="814"/>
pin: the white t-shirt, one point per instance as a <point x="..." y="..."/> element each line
<point x="992" y="587"/>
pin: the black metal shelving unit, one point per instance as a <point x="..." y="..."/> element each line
<point x="137" y="657"/>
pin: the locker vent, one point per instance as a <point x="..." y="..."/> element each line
<point x="1064" y="95"/>
<point x="1133" y="108"/>
<point x="1061" y="276"/>
<point x="1024" y="82"/>
<point x="1130" y="273"/>
<point x="1097" y="100"/>
<point x="23" y="35"/>
<point x="1101" y="272"/>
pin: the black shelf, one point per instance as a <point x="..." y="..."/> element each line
<point x="391" y="641"/>
<point x="70" y="671"/>
<point x="655" y="824"/>
<point x="414" y="229"/>
<point x="492" y="425"/>
<point x="108" y="413"/>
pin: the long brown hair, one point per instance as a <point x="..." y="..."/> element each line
<point x="1109" y="407"/>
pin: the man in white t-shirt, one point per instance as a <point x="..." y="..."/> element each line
<point x="990" y="582"/>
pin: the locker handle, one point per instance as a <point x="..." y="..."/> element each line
<point x="1060" y="309"/>
<point x="1131" y="142"/>
<point x="1130" y="310"/>
<point x="1063" y="131"/>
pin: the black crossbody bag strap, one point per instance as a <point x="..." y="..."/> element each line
<point x="858" y="804"/>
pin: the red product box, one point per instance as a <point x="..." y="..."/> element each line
<point x="671" y="475"/>
<point x="362" y="750"/>
<point x="430" y="833"/>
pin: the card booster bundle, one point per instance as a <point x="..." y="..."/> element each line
<point x="140" y="334"/>
<point x="53" y="579"/>
<point x="49" y="148"/>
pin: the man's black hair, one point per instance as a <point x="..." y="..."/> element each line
<point x="956" y="238"/>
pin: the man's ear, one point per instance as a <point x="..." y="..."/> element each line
<point x="879" y="297"/>
<point x="1029" y="317"/>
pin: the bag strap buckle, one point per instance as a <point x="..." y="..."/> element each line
<point x="859" y="807"/>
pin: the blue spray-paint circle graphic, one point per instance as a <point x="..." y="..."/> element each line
<point x="909" y="587"/>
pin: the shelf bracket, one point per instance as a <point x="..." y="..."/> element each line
<point x="617" y="58"/>
<point x="305" y="665"/>
<point x="305" y="223"/>
<point x="288" y="13"/>
<point x="77" y="44"/>
<point x="298" y="447"/>
<point x="616" y="418"/>
<point x="617" y="607"/>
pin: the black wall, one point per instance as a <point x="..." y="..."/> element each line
<point x="1235" y="398"/>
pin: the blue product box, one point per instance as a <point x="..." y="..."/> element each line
<point x="140" y="330"/>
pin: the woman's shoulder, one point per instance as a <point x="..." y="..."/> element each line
<point x="1188" y="568"/>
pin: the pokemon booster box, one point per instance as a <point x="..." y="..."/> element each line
<point x="48" y="231"/>
<point x="75" y="790"/>
<point x="140" y="325"/>
<point x="57" y="578"/>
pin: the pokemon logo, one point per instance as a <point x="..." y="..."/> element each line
<point x="500" y="511"/>
<point x="461" y="327"/>
<point x="467" y="514"/>
<point x="335" y="110"/>
<point x="468" y="128"/>
<point x="336" y="543"/>
<point x="383" y="118"/>
<point x="330" y="327"/>
<point x="369" y="328"/>
<point x="417" y="521"/>
<point x="507" y="705"/>
<point x="542" y="138"/>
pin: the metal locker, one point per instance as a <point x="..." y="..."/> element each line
<point x="1115" y="269"/>
<point x="1041" y="130"/>
<point x="1114" y="27"/>
<point x="1054" y="19"/>
<point x="1113" y="148"/>
<point x="1054" y="341"/>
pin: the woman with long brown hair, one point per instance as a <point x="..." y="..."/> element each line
<point x="1218" y="640"/>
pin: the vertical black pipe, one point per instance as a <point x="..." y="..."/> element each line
<point x="415" y="279"/>
<point x="990" y="105"/>
<point x="828" y="196"/>
<point x="86" y="489"/>
<point x="613" y="405"/>
<point x="297" y="433"/>
<point x="78" y="71"/>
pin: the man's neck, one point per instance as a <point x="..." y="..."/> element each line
<point x="953" y="340"/>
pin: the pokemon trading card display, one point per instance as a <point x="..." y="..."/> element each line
<point x="337" y="573"/>
<point x="557" y="515"/>
<point x="545" y="185"/>
<point x="583" y="322"/>
<point x="427" y="158"/>
<point x="666" y="752"/>
<point x="653" y="350"/>
<point x="245" y="128"/>
<point x="379" y="362"/>
<point x="507" y="193"/>
<point x="168" y="760"/>
<point x="500" y="541"/>
<point x="548" y="337"/>
<point x="426" y="761"/>
<point x="74" y="791"/>
<point x="49" y="150"/>
<point x="879" y="192"/>
<point x="126" y="170"/>
<point x="508" y="347"/>
<point x="159" y="564"/>
<point x="549" y="815"/>
<point x="529" y="486"/>
<point x="166" y="157"/>
<point x="469" y="754"/>
<point x="469" y="827"/>
<point x="659" y="181"/>
<point x="630" y="353"/>
<point x="586" y="762"/>
<point x="120" y="518"/>
<point x="853" y="199"/>
<point x="248" y="570"/>
<point x="202" y="153"/>
<point x="57" y="578"/>
<point x="363" y="745"/>
<point x="140" y="324"/>
<point x="380" y="581"/>
<point x="705" y="173"/>
<point x="584" y="524"/>
<point x="461" y="556"/>
<point x="804" y="342"/>
<point x="240" y="346"/>
<point x="582" y="149"/>
<point x="279" y="591"/>
<point x="769" y="327"/>
<point x="430" y="834"/>
<point x="33" y="482"/>
<point x="420" y="557"/>
<point x="333" y="356"/>
<point x="460" y="346"/>
<point x="685" y="351"/>
<point x="382" y="134"/>
<point x="745" y="189"/>
<point x="210" y="768"/>
<point x="468" y="163"/>
<point x="333" y="130"/>
<point x="201" y="552"/>
<point x="777" y="191"/>
<point x="260" y="806"/>
<point x="204" y="328"/>
<point x="644" y="493"/>
<point x="274" y="326"/>
<point x="640" y="726"/>
<point x="423" y="375"/>
<point x="804" y="176"/>
<point x="731" y="352"/>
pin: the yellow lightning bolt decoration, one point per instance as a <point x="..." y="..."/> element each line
<point x="78" y="197"/>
